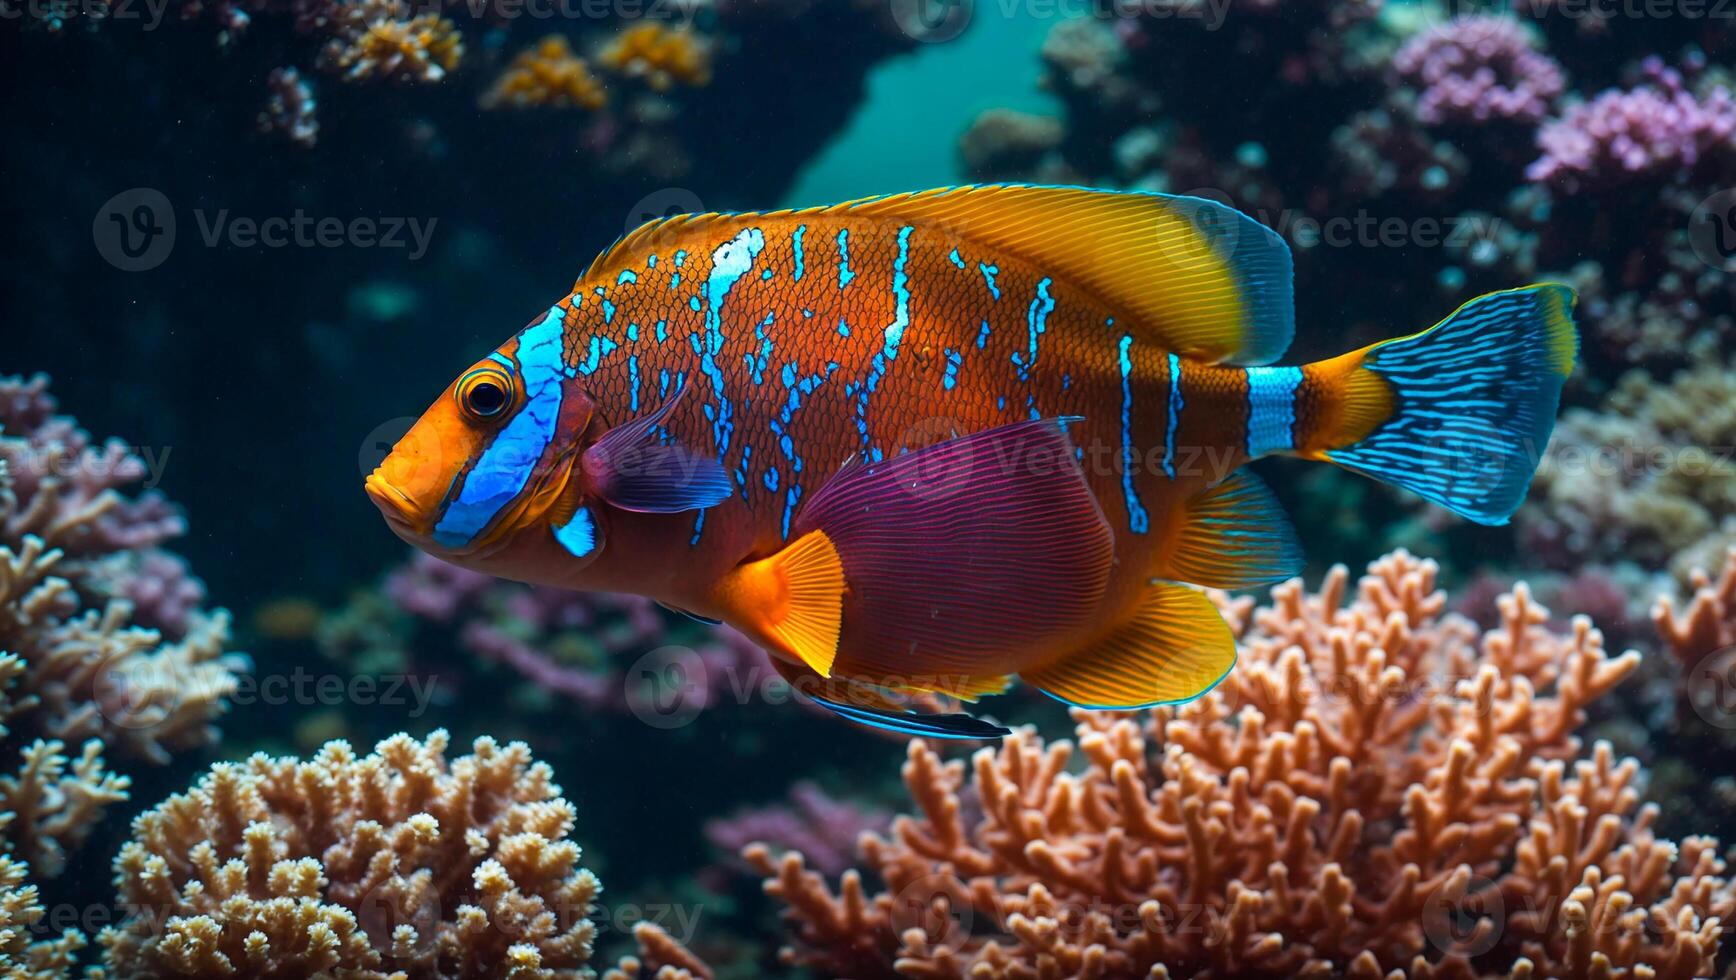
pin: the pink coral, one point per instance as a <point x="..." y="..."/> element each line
<point x="1378" y="790"/>
<point x="1479" y="69"/>
<point x="1658" y="128"/>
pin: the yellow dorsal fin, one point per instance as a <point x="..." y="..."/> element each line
<point x="1174" y="648"/>
<point x="1189" y="275"/>
<point x="795" y="599"/>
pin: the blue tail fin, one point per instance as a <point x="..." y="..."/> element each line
<point x="1472" y="401"/>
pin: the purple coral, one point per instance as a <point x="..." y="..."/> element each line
<point x="1656" y="128"/>
<point x="576" y="645"/>
<point x="1479" y="69"/>
<point x="822" y="828"/>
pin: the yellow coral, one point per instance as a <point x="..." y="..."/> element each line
<point x="547" y="75"/>
<point x="421" y="49"/>
<point x="661" y="55"/>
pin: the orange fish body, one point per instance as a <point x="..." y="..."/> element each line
<point x="931" y="441"/>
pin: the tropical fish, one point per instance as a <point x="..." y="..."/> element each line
<point x="931" y="442"/>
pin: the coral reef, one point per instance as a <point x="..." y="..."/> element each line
<point x="661" y="56"/>
<point x="1708" y="625"/>
<point x="1479" y="69"/>
<point x="74" y="553"/>
<point x="547" y="75"/>
<point x="104" y="646"/>
<point x="290" y="110"/>
<point x="400" y="862"/>
<point x="1647" y="479"/>
<point x="1379" y="789"/>
<point x="571" y="645"/>
<point x="1658" y="129"/>
<point x="822" y="829"/>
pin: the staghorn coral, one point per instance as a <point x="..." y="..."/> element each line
<point x="398" y="863"/>
<point x="1379" y="790"/>
<point x="547" y="75"/>
<point x="1707" y="626"/>
<point x="661" y="957"/>
<point x="662" y="56"/>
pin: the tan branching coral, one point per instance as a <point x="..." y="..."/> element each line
<point x="661" y="55"/>
<point x="398" y="863"/>
<point x="547" y="75"/>
<point x="22" y="958"/>
<point x="1378" y="790"/>
<point x="661" y="957"/>
<point x="1708" y="625"/>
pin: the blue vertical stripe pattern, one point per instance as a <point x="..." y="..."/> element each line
<point x="1175" y="406"/>
<point x="1138" y="521"/>
<point x="1272" y="409"/>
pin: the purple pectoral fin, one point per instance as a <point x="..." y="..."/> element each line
<point x="633" y="469"/>
<point x="962" y="553"/>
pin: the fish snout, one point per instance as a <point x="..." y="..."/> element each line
<point x="398" y="509"/>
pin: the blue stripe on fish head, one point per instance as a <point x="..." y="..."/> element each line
<point x="504" y="469"/>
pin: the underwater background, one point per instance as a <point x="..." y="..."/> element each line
<point x="248" y="732"/>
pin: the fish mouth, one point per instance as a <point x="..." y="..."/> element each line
<point x="394" y="506"/>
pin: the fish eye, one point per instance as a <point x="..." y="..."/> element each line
<point x="484" y="393"/>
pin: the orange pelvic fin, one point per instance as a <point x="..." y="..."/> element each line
<point x="794" y="599"/>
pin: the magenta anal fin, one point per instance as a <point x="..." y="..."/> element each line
<point x="965" y="554"/>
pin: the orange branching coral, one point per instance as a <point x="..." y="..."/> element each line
<point x="377" y="39"/>
<point x="400" y="863"/>
<point x="1378" y="790"/>
<point x="661" y="55"/>
<point x="1708" y="625"/>
<point x="547" y="75"/>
